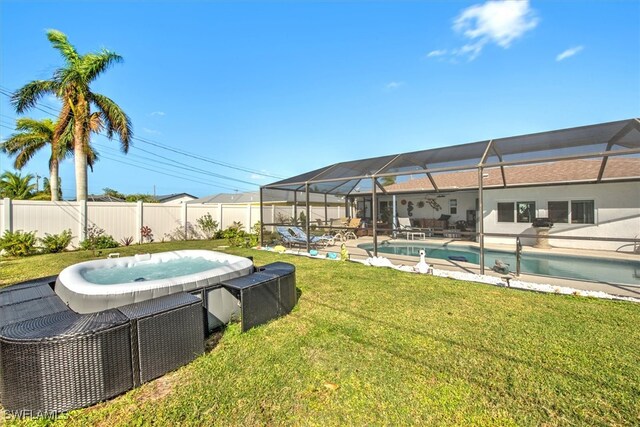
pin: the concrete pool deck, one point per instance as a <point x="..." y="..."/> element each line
<point x="359" y="254"/>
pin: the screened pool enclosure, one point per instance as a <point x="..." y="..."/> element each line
<point x="580" y="186"/>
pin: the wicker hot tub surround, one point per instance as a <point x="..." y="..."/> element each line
<point x="53" y="359"/>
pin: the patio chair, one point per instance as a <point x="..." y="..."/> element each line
<point x="337" y="228"/>
<point x="289" y="238"/>
<point x="353" y="226"/>
<point x="324" y="240"/>
<point x="404" y="225"/>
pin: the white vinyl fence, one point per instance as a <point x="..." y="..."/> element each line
<point x="122" y="220"/>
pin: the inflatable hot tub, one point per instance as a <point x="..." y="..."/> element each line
<point x="98" y="285"/>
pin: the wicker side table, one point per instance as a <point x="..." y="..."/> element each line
<point x="166" y="333"/>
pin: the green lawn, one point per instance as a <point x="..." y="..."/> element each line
<point x="382" y="347"/>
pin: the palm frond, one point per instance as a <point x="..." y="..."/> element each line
<point x="28" y="95"/>
<point x="59" y="41"/>
<point x="96" y="123"/>
<point x="24" y="147"/>
<point x="27" y="124"/>
<point x="92" y="157"/>
<point x="94" y="64"/>
<point x="116" y="121"/>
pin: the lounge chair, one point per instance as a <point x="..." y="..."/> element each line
<point x="324" y="240"/>
<point x="289" y="238"/>
<point x="404" y="225"/>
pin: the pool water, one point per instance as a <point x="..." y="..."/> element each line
<point x="144" y="271"/>
<point x="565" y="266"/>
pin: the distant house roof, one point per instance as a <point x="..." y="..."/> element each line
<point x="175" y="196"/>
<point x="103" y="198"/>
<point x="568" y="171"/>
<point x="272" y="196"/>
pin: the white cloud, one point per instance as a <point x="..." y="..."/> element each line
<point x="151" y="131"/>
<point x="500" y="22"/>
<point x="157" y="113"/>
<point x="393" y="85"/>
<point x="569" y="53"/>
<point x="437" y="52"/>
<point x="257" y="176"/>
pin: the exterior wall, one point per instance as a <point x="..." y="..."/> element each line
<point x="466" y="201"/>
<point x="617" y="214"/>
<point x="179" y="200"/>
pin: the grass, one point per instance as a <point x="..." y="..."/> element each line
<point x="382" y="347"/>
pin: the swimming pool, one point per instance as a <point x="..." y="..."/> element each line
<point x="566" y="266"/>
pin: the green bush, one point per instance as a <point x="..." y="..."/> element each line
<point x="19" y="243"/>
<point x="208" y="225"/>
<point x="53" y="243"/>
<point x="237" y="237"/>
<point x="96" y="239"/>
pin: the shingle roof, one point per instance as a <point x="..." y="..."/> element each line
<point x="545" y="173"/>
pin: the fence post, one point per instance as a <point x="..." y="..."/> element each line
<point x="82" y="220"/>
<point x="139" y="220"/>
<point x="220" y="216"/>
<point x="184" y="220"/>
<point x="7" y="217"/>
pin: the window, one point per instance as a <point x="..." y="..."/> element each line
<point x="582" y="212"/>
<point x="505" y="212"/>
<point x="526" y="211"/>
<point x="559" y="212"/>
<point x="453" y="206"/>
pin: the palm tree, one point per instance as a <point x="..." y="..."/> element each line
<point x="46" y="184"/>
<point x="71" y="85"/>
<point x="33" y="135"/>
<point x="15" y="186"/>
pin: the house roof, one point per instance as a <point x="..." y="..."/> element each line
<point x="599" y="142"/>
<point x="568" y="171"/>
<point x="169" y="197"/>
<point x="103" y="198"/>
<point x="271" y="196"/>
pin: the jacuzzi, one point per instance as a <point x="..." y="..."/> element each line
<point x="79" y="288"/>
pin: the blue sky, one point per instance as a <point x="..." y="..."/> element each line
<point x="283" y="88"/>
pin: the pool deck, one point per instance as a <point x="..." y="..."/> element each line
<point x="356" y="253"/>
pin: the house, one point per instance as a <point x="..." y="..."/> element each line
<point x="176" y="198"/>
<point x="585" y="179"/>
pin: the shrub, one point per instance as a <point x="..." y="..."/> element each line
<point x="54" y="243"/>
<point x="236" y="236"/>
<point x="147" y="234"/>
<point x="208" y="225"/>
<point x="96" y="239"/>
<point x="126" y="241"/>
<point x="18" y="243"/>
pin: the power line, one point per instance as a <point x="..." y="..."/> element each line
<point x="164" y="171"/>
<point x="189" y="166"/>
<point x="8" y="93"/>
<point x="166" y="174"/>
